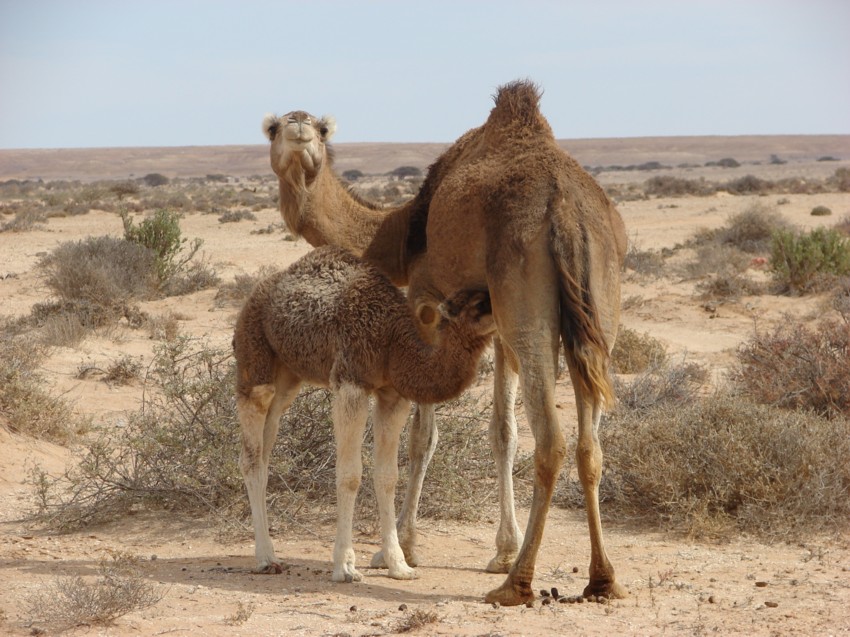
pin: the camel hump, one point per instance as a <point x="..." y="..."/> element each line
<point x="516" y="101"/>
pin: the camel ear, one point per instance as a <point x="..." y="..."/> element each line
<point x="327" y="127"/>
<point x="271" y="123"/>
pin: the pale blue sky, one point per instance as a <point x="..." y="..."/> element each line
<point x="93" y="73"/>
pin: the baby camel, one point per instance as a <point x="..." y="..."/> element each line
<point x="330" y="319"/>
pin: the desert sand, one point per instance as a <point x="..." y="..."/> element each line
<point x="678" y="586"/>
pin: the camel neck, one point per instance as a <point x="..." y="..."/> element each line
<point x="326" y="213"/>
<point x="428" y="373"/>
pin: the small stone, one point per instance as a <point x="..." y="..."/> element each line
<point x="761" y="584"/>
<point x="353" y="609"/>
<point x="580" y="600"/>
<point x="771" y="604"/>
<point x="712" y="599"/>
<point x="554" y="592"/>
<point x="544" y="592"/>
<point x="153" y="557"/>
<point x="184" y="569"/>
<point x="403" y="607"/>
<point x="546" y="601"/>
<point x="575" y="569"/>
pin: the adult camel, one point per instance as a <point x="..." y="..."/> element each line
<point x="504" y="207"/>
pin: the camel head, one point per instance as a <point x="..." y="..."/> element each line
<point x="471" y="308"/>
<point x="298" y="136"/>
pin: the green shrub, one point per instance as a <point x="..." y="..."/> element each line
<point x="821" y="211"/>
<point x="806" y="262"/>
<point x="161" y="235"/>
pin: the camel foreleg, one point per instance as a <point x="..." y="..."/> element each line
<point x="350" y="409"/>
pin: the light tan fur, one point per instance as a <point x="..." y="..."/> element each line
<point x="503" y="208"/>
<point x="333" y="320"/>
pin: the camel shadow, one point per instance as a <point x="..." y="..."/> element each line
<point x="300" y="577"/>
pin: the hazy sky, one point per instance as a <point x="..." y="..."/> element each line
<point x="89" y="73"/>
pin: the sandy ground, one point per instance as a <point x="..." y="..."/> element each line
<point x="677" y="586"/>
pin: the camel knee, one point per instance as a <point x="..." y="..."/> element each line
<point x="348" y="483"/>
<point x="256" y="401"/>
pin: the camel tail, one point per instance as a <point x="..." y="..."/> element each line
<point x="585" y="345"/>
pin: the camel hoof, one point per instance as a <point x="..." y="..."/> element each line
<point x="272" y="568"/>
<point x="607" y="589"/>
<point x="411" y="556"/>
<point x="402" y="571"/>
<point x="347" y="576"/>
<point x="501" y="563"/>
<point x="509" y="594"/>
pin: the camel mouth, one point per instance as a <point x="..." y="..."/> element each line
<point x="299" y="140"/>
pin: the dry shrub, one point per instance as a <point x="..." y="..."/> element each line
<point x="843" y="225"/>
<point x="415" y="620"/>
<point x="752" y="229"/>
<point x="668" y="186"/>
<point x="645" y="262"/>
<point x="120" y="588"/>
<point x="729" y="286"/>
<point x="25" y="404"/>
<point x="181" y="450"/>
<point x="796" y="367"/>
<point x="235" y="292"/>
<point x="103" y="271"/>
<point x="723" y="463"/>
<point x="232" y="216"/>
<point x="676" y="384"/>
<point x="634" y="352"/>
<point x="25" y="219"/>
<point x="716" y="259"/>
<point x="748" y="185"/>
<point x="724" y="254"/>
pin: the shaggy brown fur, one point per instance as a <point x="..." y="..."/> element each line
<point x="503" y="208"/>
<point x="333" y="320"/>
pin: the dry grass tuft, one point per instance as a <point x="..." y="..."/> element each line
<point x="415" y="620"/>
<point x="26" y="406"/>
<point x="634" y="352"/>
<point x="120" y="588"/>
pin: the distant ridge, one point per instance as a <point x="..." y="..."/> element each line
<point x="89" y="164"/>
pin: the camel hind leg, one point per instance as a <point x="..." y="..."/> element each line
<point x="259" y="416"/>
<point x="390" y="415"/>
<point x="350" y="409"/>
<point x="589" y="465"/>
